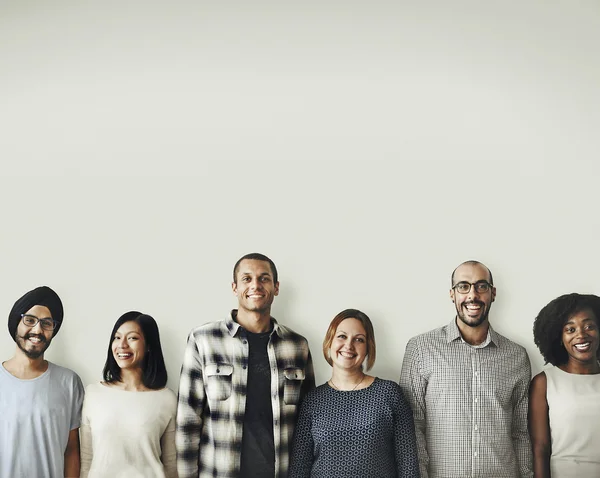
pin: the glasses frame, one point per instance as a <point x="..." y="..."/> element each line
<point x="473" y="284"/>
<point x="37" y="319"/>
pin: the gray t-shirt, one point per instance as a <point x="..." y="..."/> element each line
<point x="35" y="419"/>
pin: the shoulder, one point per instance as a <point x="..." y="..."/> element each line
<point x="168" y="396"/>
<point x="387" y="385"/>
<point x="512" y="347"/>
<point x="65" y="375"/>
<point x="287" y="333"/>
<point x="427" y="338"/>
<point x="540" y="380"/>
<point x="317" y="395"/>
<point x="209" y="327"/>
<point x="388" y="388"/>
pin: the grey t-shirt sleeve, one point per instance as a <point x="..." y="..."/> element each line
<point x="76" y="401"/>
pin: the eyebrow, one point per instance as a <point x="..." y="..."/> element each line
<point x="587" y="319"/>
<point x="342" y="332"/>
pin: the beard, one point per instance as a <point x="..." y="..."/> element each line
<point x="469" y="321"/>
<point x="37" y="352"/>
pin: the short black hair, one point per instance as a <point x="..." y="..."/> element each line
<point x="471" y="263"/>
<point x="154" y="374"/>
<point x="256" y="257"/>
<point x="549" y="323"/>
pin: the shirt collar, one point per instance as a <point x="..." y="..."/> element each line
<point x="453" y="333"/>
<point x="233" y="327"/>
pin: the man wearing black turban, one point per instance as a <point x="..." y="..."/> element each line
<point x="40" y="402"/>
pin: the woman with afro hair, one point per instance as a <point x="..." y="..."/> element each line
<point x="564" y="399"/>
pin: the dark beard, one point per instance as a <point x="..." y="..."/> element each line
<point x="465" y="318"/>
<point x="33" y="354"/>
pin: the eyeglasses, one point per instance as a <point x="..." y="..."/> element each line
<point x="481" y="286"/>
<point x="32" y="320"/>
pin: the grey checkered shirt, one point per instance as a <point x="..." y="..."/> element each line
<point x="469" y="405"/>
<point x="212" y="397"/>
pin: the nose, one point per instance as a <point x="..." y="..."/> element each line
<point x="472" y="293"/>
<point x="37" y="329"/>
<point x="123" y="343"/>
<point x="255" y="284"/>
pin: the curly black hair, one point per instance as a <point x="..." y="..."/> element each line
<point x="549" y="323"/>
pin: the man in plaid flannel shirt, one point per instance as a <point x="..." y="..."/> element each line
<point x="241" y="384"/>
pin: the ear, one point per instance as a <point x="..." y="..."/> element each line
<point x="234" y="288"/>
<point x="452" y="295"/>
<point x="493" y="294"/>
<point x="276" y="288"/>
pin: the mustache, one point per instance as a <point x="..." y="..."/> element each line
<point x="476" y="302"/>
<point x="38" y="336"/>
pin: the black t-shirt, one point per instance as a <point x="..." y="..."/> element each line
<point x="258" y="448"/>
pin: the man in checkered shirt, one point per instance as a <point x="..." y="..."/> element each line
<point x="468" y="388"/>
<point x="241" y="384"/>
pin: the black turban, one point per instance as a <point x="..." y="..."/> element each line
<point x="39" y="296"/>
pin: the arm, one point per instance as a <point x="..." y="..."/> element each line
<point x="301" y="456"/>
<point x="414" y="388"/>
<point x="309" y="378"/>
<point x="405" y="440"/>
<point x="168" y="453"/>
<point x="539" y="426"/>
<point x="191" y="402"/>
<point x="72" y="455"/>
<point x="520" y="433"/>
<point x="86" y="449"/>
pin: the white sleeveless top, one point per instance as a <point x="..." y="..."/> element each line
<point x="574" y="410"/>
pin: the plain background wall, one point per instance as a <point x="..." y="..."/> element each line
<point x="367" y="148"/>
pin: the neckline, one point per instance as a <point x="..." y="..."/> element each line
<point x="107" y="387"/>
<point x="376" y="379"/>
<point x="26" y="380"/>
<point x="578" y="374"/>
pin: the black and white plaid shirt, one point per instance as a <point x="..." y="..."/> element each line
<point x="469" y="404"/>
<point x="212" y="397"/>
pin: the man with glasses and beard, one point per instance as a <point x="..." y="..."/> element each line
<point x="40" y="402"/>
<point x="468" y="388"/>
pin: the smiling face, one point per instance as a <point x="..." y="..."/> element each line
<point x="33" y="341"/>
<point x="254" y="286"/>
<point x="129" y="346"/>
<point x="349" y="346"/>
<point x="580" y="337"/>
<point x="472" y="307"/>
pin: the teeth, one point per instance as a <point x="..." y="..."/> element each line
<point x="582" y="346"/>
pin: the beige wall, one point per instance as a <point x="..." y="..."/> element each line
<point x="370" y="149"/>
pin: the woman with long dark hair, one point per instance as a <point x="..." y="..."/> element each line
<point x="128" y="420"/>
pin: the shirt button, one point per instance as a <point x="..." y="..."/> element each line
<point x="244" y="367"/>
<point x="218" y="371"/>
<point x="476" y="374"/>
<point x="244" y="342"/>
<point x="476" y="428"/>
<point x="475" y="454"/>
<point x="476" y="400"/>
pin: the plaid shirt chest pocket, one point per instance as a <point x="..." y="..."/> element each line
<point x="294" y="378"/>
<point x="218" y="381"/>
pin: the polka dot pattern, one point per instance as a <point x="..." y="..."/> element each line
<point x="349" y="434"/>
